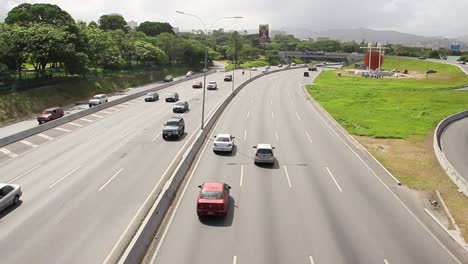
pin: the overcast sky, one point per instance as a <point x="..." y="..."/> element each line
<point x="448" y="18"/>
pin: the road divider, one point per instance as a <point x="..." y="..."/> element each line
<point x="139" y="244"/>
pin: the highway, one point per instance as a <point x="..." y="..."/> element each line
<point x="454" y="142"/>
<point x="84" y="182"/>
<point x="319" y="204"/>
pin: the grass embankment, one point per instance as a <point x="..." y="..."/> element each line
<point x="22" y="105"/>
<point x="395" y="119"/>
<point x="247" y="64"/>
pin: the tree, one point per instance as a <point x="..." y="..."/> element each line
<point x="234" y="44"/>
<point x="155" y="28"/>
<point x="26" y="14"/>
<point x="13" y="46"/>
<point x="167" y="42"/>
<point x="148" y="54"/>
<point x="350" y="47"/>
<point x="113" y="22"/>
<point x="433" y="54"/>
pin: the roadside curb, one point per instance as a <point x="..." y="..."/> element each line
<point x="66" y="119"/>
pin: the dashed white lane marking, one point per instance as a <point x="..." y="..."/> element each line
<point x="251" y="100"/>
<point x="87" y="120"/>
<point x="95" y="134"/>
<point x="74" y="124"/>
<point x="271" y="101"/>
<point x="308" y="136"/>
<point x="98" y="116"/>
<point x="61" y="179"/>
<point x="245" y="135"/>
<point x="126" y="134"/>
<point x="9" y="153"/>
<point x="298" y="117"/>
<point x="385" y="261"/>
<point x="248" y="114"/>
<point x="62" y="129"/>
<point x="155" y="137"/>
<point x="272" y="115"/>
<point x="24" y="173"/>
<point x="333" y="177"/>
<point x="115" y="175"/>
<point x="105" y="112"/>
<point x="45" y="136"/>
<point x="277" y="138"/>
<point x="311" y="259"/>
<point x="27" y="143"/>
<point x="241" y="175"/>
<point x="287" y="176"/>
<point x="234" y="260"/>
<point x="113" y="109"/>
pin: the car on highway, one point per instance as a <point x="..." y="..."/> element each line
<point x="169" y="78"/>
<point x="197" y="84"/>
<point x="223" y="143"/>
<point x="264" y="70"/>
<point x="9" y="195"/>
<point x="180" y="107"/>
<point x="151" y="97"/>
<point x="312" y="67"/>
<point x="280" y="65"/>
<point x="293" y="64"/>
<point x="228" y="78"/>
<point x="212" y="85"/>
<point x="98" y="99"/>
<point x="49" y="115"/>
<point x="174" y="127"/>
<point x="213" y="199"/>
<point x="189" y="74"/>
<point x="264" y="154"/>
<point x="253" y="69"/>
<point x="172" y="97"/>
<point x="267" y="67"/>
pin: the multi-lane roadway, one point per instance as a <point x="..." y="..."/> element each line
<point x="455" y="145"/>
<point x="320" y="203"/>
<point x="85" y="181"/>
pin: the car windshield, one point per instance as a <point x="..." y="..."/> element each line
<point x="97" y="97"/>
<point x="264" y="151"/>
<point x="170" y="95"/>
<point x="222" y="139"/>
<point x="172" y="123"/>
<point x="150" y="94"/>
<point x="211" y="194"/>
<point x="180" y="103"/>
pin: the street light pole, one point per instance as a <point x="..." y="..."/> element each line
<point x="206" y="58"/>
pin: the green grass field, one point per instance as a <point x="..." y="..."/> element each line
<point x="392" y="108"/>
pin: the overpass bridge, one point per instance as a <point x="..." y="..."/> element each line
<point x="346" y="58"/>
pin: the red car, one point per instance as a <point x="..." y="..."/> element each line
<point x="213" y="199"/>
<point x="50" y="114"/>
<point x="197" y="85"/>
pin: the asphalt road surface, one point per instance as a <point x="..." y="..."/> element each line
<point x="84" y="182"/>
<point x="455" y="145"/>
<point x="319" y="204"/>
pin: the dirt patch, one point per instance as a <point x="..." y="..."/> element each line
<point x="414" y="163"/>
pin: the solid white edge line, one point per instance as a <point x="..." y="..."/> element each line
<point x="308" y="136"/>
<point x="385" y="261"/>
<point x="24" y="173"/>
<point x="95" y="134"/>
<point x="128" y="133"/>
<point x="68" y="174"/>
<point x="234" y="260"/>
<point x="45" y="136"/>
<point x="311" y="259"/>
<point x="154" y="189"/>
<point x="445" y="229"/>
<point x="337" y="185"/>
<point x="163" y="236"/>
<point x="156" y="136"/>
<point x="388" y="188"/>
<point x="241" y="175"/>
<point x="298" y="117"/>
<point x="287" y="176"/>
<point x="115" y="175"/>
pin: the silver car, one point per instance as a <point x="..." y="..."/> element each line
<point x="264" y="154"/>
<point x="223" y="143"/>
<point x="9" y="194"/>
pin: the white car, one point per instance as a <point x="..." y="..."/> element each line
<point x="223" y="143"/>
<point x="264" y="70"/>
<point x="9" y="195"/>
<point x="98" y="99"/>
<point x="212" y="85"/>
<point x="264" y="154"/>
<point x="253" y="69"/>
<point x="190" y="73"/>
<point x="293" y="64"/>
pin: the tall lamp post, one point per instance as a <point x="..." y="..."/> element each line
<point x="206" y="57"/>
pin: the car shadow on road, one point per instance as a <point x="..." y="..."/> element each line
<point x="177" y="139"/>
<point x="274" y="166"/>
<point x="221" y="221"/>
<point x="10" y="209"/>
<point x="233" y="153"/>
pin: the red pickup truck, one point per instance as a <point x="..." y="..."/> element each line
<point x="49" y="115"/>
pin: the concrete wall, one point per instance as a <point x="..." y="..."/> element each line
<point x="49" y="125"/>
<point x="137" y="249"/>
<point x="459" y="180"/>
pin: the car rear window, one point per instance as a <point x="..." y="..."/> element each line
<point x="96" y="97"/>
<point x="172" y="123"/>
<point x="264" y="151"/>
<point x="211" y="195"/>
<point x="222" y="139"/>
<point x="180" y="103"/>
<point x="48" y="112"/>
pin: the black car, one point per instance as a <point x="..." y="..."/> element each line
<point x="172" y="97"/>
<point x="228" y="78"/>
<point x="169" y="78"/>
<point x="151" y="97"/>
<point x="180" y="107"/>
<point x="174" y="127"/>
